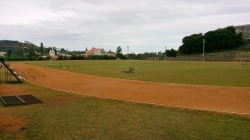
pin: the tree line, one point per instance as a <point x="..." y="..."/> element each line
<point x="220" y="39"/>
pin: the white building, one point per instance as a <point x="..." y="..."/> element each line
<point x="2" y="53"/>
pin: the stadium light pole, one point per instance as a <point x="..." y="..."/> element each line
<point x="204" y="40"/>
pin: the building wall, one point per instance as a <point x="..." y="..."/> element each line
<point x="2" y="53"/>
<point x="98" y="52"/>
<point x="244" y="29"/>
<point x="220" y="56"/>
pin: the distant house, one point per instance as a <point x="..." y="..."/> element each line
<point x="96" y="51"/>
<point x="245" y="30"/>
<point x="52" y="53"/>
<point x="55" y="57"/>
<point x="111" y="54"/>
<point x="2" y="53"/>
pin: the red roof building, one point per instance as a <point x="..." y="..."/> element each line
<point x="96" y="51"/>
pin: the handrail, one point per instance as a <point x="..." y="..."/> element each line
<point x="2" y="60"/>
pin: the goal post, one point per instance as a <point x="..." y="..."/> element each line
<point x="135" y="69"/>
<point x="245" y="61"/>
<point x="123" y="68"/>
<point x="129" y="70"/>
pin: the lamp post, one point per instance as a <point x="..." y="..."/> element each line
<point x="204" y="40"/>
<point x="67" y="53"/>
<point x="128" y="51"/>
<point x="165" y="53"/>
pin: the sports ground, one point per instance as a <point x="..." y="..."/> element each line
<point x="230" y="96"/>
<point x="201" y="97"/>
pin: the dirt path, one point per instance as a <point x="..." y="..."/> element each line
<point x="213" y="98"/>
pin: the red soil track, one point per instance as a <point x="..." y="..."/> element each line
<point x="212" y="98"/>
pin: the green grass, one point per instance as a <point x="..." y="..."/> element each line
<point x="199" y="73"/>
<point x="70" y="116"/>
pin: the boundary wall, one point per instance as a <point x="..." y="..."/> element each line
<point x="219" y="56"/>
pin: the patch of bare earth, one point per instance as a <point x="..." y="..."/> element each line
<point x="7" y="90"/>
<point x="13" y="124"/>
<point x="213" y="98"/>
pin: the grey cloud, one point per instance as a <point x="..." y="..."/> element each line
<point x="144" y="25"/>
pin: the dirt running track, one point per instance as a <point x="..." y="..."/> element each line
<point x="213" y="98"/>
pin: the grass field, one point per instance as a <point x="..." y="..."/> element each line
<point x="199" y="73"/>
<point x="69" y="116"/>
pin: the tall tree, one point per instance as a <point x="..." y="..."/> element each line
<point x="119" y="53"/>
<point x="32" y="53"/>
<point x="41" y="48"/>
<point x="9" y="53"/>
<point x="171" y="53"/>
<point x="55" y="50"/>
<point x="118" y="50"/>
<point x="220" y="39"/>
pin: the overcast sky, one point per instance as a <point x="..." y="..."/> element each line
<point x="143" y="25"/>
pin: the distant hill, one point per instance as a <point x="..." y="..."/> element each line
<point x="14" y="46"/>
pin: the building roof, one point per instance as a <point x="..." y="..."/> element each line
<point x="92" y="51"/>
<point x="111" y="54"/>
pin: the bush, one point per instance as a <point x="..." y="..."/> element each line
<point x="81" y="57"/>
<point x="60" y="57"/>
<point x="73" y="57"/>
<point x="48" y="57"/>
<point x="32" y="58"/>
<point x="40" y="58"/>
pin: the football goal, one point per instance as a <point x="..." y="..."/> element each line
<point x="245" y="61"/>
<point x="129" y="70"/>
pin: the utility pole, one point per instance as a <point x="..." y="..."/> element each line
<point x="128" y="51"/>
<point x="67" y="53"/>
<point x="165" y="53"/>
<point x="204" y="40"/>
